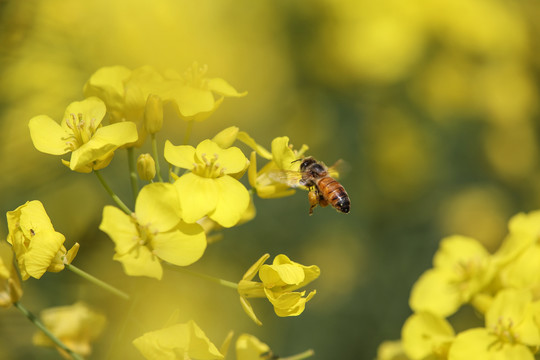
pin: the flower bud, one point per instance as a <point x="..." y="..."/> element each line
<point x="153" y="114"/>
<point x="146" y="167"/>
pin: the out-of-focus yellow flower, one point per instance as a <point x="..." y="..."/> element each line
<point x="210" y="189"/>
<point x="153" y="232"/>
<point x="278" y="284"/>
<point x="146" y="167"/>
<point x="91" y="145"/>
<point x="193" y="93"/>
<point x="425" y="335"/>
<point x="125" y="92"/>
<point x="248" y="347"/>
<point x="511" y="329"/>
<point x="462" y="269"/>
<point x="153" y="114"/>
<point x="10" y="285"/>
<point x="391" y="350"/>
<point x="271" y="180"/>
<point x="76" y="326"/>
<point x="37" y="246"/>
<point x="180" y="341"/>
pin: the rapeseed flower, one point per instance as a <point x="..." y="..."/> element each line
<point x="193" y="93"/>
<point x="425" y="335"/>
<point x="462" y="269"/>
<point x="179" y="341"/>
<point x="37" y="246"/>
<point x="154" y="232"/>
<point x="76" y="326"/>
<point x="91" y="145"/>
<point x="10" y="285"/>
<point x="248" y="347"/>
<point x="511" y="330"/>
<point x="278" y="284"/>
<point x="274" y="179"/>
<point x="210" y="187"/>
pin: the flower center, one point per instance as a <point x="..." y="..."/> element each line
<point x="208" y="167"/>
<point x="194" y="76"/>
<point x="81" y="131"/>
<point x="144" y="236"/>
<point x="505" y="332"/>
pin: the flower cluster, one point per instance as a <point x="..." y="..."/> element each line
<point x="502" y="287"/>
<point x="169" y="225"/>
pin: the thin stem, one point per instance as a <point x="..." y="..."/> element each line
<point x="304" y="355"/>
<point x="187" y="135"/>
<point x="156" y="157"/>
<point x="98" y="282"/>
<point x="132" y="163"/>
<point x="115" y="197"/>
<point x="42" y="327"/>
<point x="213" y="279"/>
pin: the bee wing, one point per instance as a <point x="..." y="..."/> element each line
<point x="290" y="178"/>
<point x="339" y="168"/>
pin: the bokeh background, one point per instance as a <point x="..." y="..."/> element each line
<point x="433" y="104"/>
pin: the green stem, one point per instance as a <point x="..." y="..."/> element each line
<point x="97" y="282"/>
<point x="213" y="279"/>
<point x="132" y="163"/>
<point x="187" y="135"/>
<point x="115" y="197"/>
<point x="42" y="327"/>
<point x="304" y="355"/>
<point x="156" y="157"/>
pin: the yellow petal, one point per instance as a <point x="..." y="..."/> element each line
<point x="424" y="332"/>
<point x="280" y="275"/>
<point x="41" y="251"/>
<point x="232" y="201"/>
<point x="248" y="347"/>
<point x="282" y="154"/>
<point x="105" y="140"/>
<point x="222" y="87"/>
<point x="232" y="160"/>
<point x="249" y="141"/>
<point x="198" y="196"/>
<point x="457" y="249"/>
<point x="182" y="246"/>
<point x="433" y="292"/>
<point x="47" y="135"/>
<point x="189" y="100"/>
<point x="92" y="108"/>
<point x="120" y="228"/>
<point x="248" y="309"/>
<point x="225" y="138"/>
<point x="182" y="156"/>
<point x="254" y="269"/>
<point x="288" y="303"/>
<point x="158" y="205"/>
<point x="107" y="83"/>
<point x="140" y="262"/>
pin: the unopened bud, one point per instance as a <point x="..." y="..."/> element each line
<point x="153" y="114"/>
<point x="146" y="167"/>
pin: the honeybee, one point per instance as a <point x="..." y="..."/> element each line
<point x="323" y="189"/>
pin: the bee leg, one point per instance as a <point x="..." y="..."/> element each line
<point x="313" y="198"/>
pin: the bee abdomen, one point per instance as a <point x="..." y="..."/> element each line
<point x="335" y="193"/>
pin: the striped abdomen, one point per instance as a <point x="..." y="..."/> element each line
<point x="334" y="193"/>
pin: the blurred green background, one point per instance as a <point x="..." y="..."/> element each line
<point x="433" y="104"/>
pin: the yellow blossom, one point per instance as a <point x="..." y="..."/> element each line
<point x="273" y="179"/>
<point x="91" y="145"/>
<point x="511" y="329"/>
<point x="278" y="284"/>
<point x="76" y="326"/>
<point x="179" y="341"/>
<point x="462" y="269"/>
<point x="10" y="285"/>
<point x="210" y="188"/>
<point x="37" y="246"/>
<point x="193" y="93"/>
<point x="248" y="347"/>
<point x="425" y="335"/>
<point x="154" y="232"/>
<point x="146" y="167"/>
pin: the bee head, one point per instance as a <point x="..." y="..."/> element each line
<point x="306" y="162"/>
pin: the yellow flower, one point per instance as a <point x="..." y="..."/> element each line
<point x="126" y="92"/>
<point x="193" y="94"/>
<point x="154" y="232"/>
<point x="248" y="347"/>
<point x="210" y="188"/>
<point x="10" y="285"/>
<point x="180" y="341"/>
<point x="510" y="332"/>
<point x="426" y="336"/>
<point x="462" y="269"/>
<point x="278" y="284"/>
<point x="91" y="145"/>
<point x="37" y="246"/>
<point x="76" y="326"/>
<point x="271" y="180"/>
